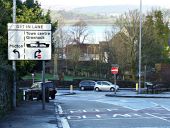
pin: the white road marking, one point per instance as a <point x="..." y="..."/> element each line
<point x="122" y="115"/>
<point x="110" y="118"/>
<point x="111" y="110"/>
<point x="63" y="120"/>
<point x="84" y="117"/>
<point x="98" y="116"/>
<point x="75" y="111"/>
<point x="168" y="109"/>
<point x="84" y="111"/>
<point x="60" y="109"/>
<point x="157" y="117"/>
<point x="127" y="104"/>
<point x="97" y="110"/>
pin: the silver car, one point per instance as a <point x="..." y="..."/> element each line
<point x="105" y="86"/>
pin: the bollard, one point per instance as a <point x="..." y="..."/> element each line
<point x="71" y="88"/>
<point x="137" y="87"/>
<point x="24" y="95"/>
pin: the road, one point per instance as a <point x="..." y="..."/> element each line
<point x="89" y="109"/>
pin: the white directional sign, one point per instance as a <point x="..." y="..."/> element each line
<point x="29" y="41"/>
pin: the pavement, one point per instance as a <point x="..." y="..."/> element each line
<point x="132" y="93"/>
<point x="29" y="114"/>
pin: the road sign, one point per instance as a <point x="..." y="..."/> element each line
<point x="114" y="70"/>
<point x="29" y="41"/>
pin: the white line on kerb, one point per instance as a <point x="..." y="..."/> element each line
<point x="157" y="117"/>
<point x="60" y="109"/>
<point x="63" y="120"/>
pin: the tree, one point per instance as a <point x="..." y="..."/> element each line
<point x="151" y="48"/>
<point x="61" y="39"/>
<point x="79" y="32"/>
<point x="155" y="39"/>
<point x="129" y="26"/>
<point x="74" y="56"/>
<point x="162" y="31"/>
<point x="5" y="17"/>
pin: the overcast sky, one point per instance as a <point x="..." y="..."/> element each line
<point x="82" y="3"/>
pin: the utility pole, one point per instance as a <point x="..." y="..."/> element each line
<point x="14" y="62"/>
<point x="140" y="39"/>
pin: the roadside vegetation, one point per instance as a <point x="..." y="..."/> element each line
<point x="27" y="12"/>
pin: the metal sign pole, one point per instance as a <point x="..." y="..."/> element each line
<point x="14" y="62"/>
<point x="140" y="40"/>
<point x="114" y="78"/>
<point x="43" y="85"/>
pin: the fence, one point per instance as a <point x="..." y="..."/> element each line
<point x="5" y="89"/>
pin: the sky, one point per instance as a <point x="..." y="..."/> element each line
<point x="48" y="4"/>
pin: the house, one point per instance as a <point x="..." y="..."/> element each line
<point x="87" y="52"/>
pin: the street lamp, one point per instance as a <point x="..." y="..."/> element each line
<point x="140" y="39"/>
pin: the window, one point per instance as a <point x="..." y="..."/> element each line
<point x="99" y="83"/>
<point x="105" y="83"/>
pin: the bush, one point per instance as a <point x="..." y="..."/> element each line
<point x="126" y="84"/>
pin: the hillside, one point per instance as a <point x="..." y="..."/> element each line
<point x="94" y="14"/>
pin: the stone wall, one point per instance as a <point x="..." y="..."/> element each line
<point x="5" y="89"/>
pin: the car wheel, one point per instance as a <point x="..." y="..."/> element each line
<point x="97" y="89"/>
<point x="82" y="88"/>
<point x="112" y="89"/>
<point x="53" y="96"/>
<point x="30" y="98"/>
<point x="39" y="97"/>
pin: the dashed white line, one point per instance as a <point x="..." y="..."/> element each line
<point x="84" y="117"/>
<point x="98" y="116"/>
<point x="84" y="111"/>
<point x="97" y="110"/>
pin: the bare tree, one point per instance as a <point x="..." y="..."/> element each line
<point x="127" y="45"/>
<point x="61" y="39"/>
<point x="79" y="32"/>
<point x="74" y="56"/>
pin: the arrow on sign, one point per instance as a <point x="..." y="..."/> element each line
<point x="35" y="54"/>
<point x="15" y="51"/>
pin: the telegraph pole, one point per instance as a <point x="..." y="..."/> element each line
<point x="140" y="39"/>
<point x="14" y="62"/>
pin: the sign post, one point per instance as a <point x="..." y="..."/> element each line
<point x="29" y="42"/>
<point x="14" y="63"/>
<point x="114" y="70"/>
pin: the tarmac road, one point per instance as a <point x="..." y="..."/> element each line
<point x="89" y="109"/>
